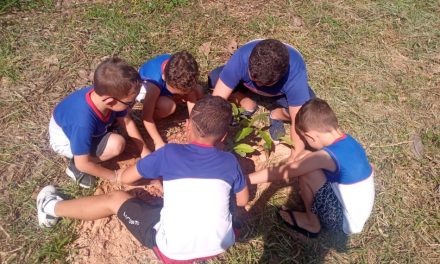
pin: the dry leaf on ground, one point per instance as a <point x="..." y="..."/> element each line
<point x="205" y="48"/>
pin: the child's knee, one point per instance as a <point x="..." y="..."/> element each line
<point x="164" y="107"/>
<point x="315" y="180"/>
<point x="115" y="145"/>
<point x="117" y="198"/>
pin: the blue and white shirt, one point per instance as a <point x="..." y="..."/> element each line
<point x="294" y="84"/>
<point x="197" y="182"/>
<point x="81" y="121"/>
<point x="352" y="182"/>
<point x="152" y="71"/>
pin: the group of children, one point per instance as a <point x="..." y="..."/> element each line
<point x="198" y="179"/>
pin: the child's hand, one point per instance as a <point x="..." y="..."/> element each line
<point x="118" y="176"/>
<point x="155" y="188"/>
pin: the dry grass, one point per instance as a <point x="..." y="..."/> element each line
<point x="377" y="63"/>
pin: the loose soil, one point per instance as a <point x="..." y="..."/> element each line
<point x="107" y="240"/>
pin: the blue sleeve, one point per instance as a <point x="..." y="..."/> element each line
<point x="239" y="181"/>
<point x="150" y="166"/>
<point x="232" y="72"/>
<point x="81" y="140"/>
<point x="297" y="89"/>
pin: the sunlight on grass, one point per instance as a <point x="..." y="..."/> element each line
<point x="376" y="63"/>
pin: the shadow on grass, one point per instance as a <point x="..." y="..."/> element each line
<point x="281" y="243"/>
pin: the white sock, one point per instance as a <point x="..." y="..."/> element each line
<point x="49" y="208"/>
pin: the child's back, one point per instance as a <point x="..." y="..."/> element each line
<point x="197" y="182"/>
<point x="152" y="71"/>
<point x="352" y="182"/>
<point x="79" y="119"/>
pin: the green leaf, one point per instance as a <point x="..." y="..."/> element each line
<point x="259" y="117"/>
<point x="244" y="122"/>
<point x="243" y="133"/>
<point x="267" y="139"/>
<point x="235" y="111"/>
<point x="267" y="142"/>
<point x="241" y="154"/>
<point x="243" y="148"/>
<point x="287" y="140"/>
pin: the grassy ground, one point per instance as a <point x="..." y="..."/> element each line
<point x="376" y="62"/>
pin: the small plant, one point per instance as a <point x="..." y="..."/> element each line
<point x="246" y="127"/>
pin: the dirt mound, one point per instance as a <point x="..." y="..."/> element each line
<point x="107" y="240"/>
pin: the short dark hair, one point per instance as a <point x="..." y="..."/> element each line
<point x="211" y="116"/>
<point x="316" y="114"/>
<point x="116" y="78"/>
<point x="182" y="71"/>
<point x="268" y="62"/>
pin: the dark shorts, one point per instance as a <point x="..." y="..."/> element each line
<point x="328" y="208"/>
<point x="99" y="144"/>
<point x="140" y="218"/>
<point x="279" y="101"/>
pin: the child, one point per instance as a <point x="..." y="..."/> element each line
<point x="336" y="181"/>
<point x="270" y="69"/>
<point x="195" y="221"/>
<point x="78" y="126"/>
<point x="164" y="76"/>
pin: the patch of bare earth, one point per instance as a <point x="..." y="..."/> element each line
<point x="107" y="240"/>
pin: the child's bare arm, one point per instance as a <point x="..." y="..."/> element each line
<point x="86" y="164"/>
<point x="242" y="197"/>
<point x="151" y="97"/>
<point x="193" y="96"/>
<point x="222" y="90"/>
<point x="128" y="176"/>
<point x="311" y="162"/>
<point x="133" y="132"/>
<point x="297" y="141"/>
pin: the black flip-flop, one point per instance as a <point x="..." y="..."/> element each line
<point x="295" y="224"/>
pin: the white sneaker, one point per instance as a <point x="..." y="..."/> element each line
<point x="46" y="195"/>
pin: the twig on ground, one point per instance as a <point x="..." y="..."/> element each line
<point x="390" y="145"/>
<point x="4" y="231"/>
<point x="4" y="253"/>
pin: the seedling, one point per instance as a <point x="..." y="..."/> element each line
<point x="246" y="127"/>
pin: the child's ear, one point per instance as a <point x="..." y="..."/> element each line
<point x="223" y="138"/>
<point x="188" y="125"/>
<point x="309" y="136"/>
<point x="110" y="101"/>
<point x="163" y="77"/>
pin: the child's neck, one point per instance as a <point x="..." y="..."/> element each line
<point x="329" y="138"/>
<point x="192" y="139"/>
<point x="100" y="105"/>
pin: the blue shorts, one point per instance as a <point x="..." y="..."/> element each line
<point x="328" y="208"/>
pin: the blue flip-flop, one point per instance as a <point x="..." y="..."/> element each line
<point x="295" y="226"/>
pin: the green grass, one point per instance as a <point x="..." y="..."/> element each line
<point x="375" y="62"/>
<point x="25" y="5"/>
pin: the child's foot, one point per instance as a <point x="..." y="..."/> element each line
<point x="249" y="113"/>
<point x="83" y="179"/>
<point x="45" y="196"/>
<point x="288" y="217"/>
<point x="246" y="114"/>
<point x="276" y="130"/>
